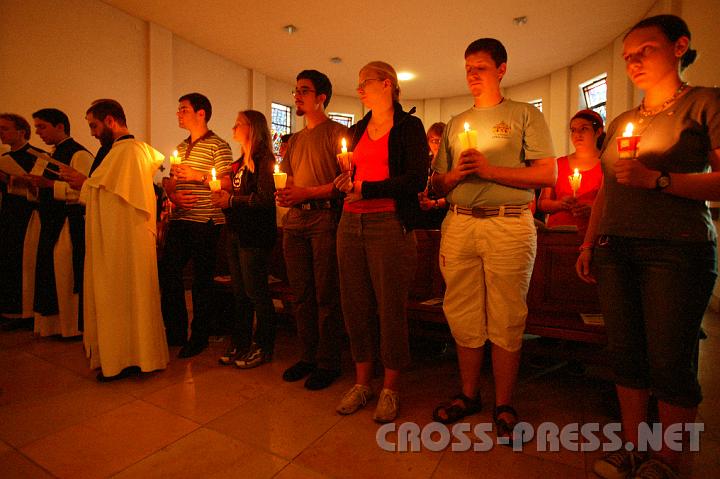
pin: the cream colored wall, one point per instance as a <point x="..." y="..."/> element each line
<point x="67" y="57"/>
<point x="701" y="16"/>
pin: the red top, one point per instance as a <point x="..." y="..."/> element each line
<point x="371" y="164"/>
<point x="589" y="186"/>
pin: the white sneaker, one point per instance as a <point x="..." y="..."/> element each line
<point x="618" y="464"/>
<point x="354" y="399"/>
<point x="655" y="469"/>
<point x="387" y="407"/>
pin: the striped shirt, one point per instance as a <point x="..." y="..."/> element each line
<point x="208" y="152"/>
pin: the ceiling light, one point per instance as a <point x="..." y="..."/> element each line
<point x="519" y="21"/>
<point x="290" y="29"/>
<point x="405" y="76"/>
<point x="336" y="60"/>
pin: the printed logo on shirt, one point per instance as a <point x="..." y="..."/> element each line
<point x="501" y="130"/>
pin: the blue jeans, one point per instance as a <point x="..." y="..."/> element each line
<point x="653" y="295"/>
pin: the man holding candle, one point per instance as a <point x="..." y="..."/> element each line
<point x="195" y="225"/>
<point x="309" y="230"/>
<point x="488" y="237"/>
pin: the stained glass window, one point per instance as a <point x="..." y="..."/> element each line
<point x="536" y="103"/>
<point x="343" y="118"/>
<point x="595" y="94"/>
<point x="279" y="123"/>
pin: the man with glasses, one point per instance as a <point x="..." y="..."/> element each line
<point x="309" y="232"/>
<point x="195" y="225"/>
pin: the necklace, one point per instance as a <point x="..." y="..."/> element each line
<point x="645" y="112"/>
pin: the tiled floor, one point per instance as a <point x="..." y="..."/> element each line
<point x="199" y="419"/>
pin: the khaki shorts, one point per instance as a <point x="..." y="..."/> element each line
<point x="487" y="264"/>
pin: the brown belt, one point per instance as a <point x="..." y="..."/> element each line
<point x="490" y="211"/>
<point x="315" y="205"/>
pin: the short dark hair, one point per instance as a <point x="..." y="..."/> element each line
<point x="673" y="27"/>
<point x="20" y="123"/>
<point x="285" y="138"/>
<point x="320" y="81"/>
<point x="105" y="107"/>
<point x="491" y="46"/>
<point x="199" y="102"/>
<point x="436" y="129"/>
<point x="53" y="116"/>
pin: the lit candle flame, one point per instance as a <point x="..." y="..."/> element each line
<point x="344" y="146"/>
<point x="175" y="153"/>
<point x="628" y="130"/>
<point x="213" y="174"/>
<point x="467" y="126"/>
<point x="277" y="168"/>
<point x="577" y="173"/>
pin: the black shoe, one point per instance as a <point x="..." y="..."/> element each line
<point x="321" y="378"/>
<point x="230" y="355"/>
<point x="192" y="348"/>
<point x="253" y="358"/>
<point x="125" y="373"/>
<point x="298" y="371"/>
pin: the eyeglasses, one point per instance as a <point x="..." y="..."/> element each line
<point x="361" y="85"/>
<point x="301" y="91"/>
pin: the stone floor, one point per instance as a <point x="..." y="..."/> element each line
<point x="200" y="419"/>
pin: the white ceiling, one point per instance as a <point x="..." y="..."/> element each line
<point x="426" y="37"/>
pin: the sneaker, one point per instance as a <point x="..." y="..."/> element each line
<point x="298" y="371"/>
<point x="387" y="407"/>
<point x="655" y="469"/>
<point x="230" y="355"/>
<point x="618" y="464"/>
<point x="253" y="358"/>
<point x="354" y="399"/>
<point x="321" y="378"/>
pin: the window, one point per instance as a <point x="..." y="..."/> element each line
<point x="536" y="103"/>
<point x="279" y="123"/>
<point x="595" y="94"/>
<point x="342" y="118"/>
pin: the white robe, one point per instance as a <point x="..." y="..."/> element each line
<point x="123" y="321"/>
<point x="65" y="322"/>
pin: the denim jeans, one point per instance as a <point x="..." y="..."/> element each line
<point x="653" y="295"/>
<point x="249" y="271"/>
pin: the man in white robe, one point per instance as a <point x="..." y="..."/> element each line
<point x="124" y="331"/>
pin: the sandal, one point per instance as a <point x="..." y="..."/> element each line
<point x="505" y="428"/>
<point x="454" y="412"/>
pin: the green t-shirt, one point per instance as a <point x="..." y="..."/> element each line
<point x="508" y="134"/>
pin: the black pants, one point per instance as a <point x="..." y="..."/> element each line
<point x="188" y="240"/>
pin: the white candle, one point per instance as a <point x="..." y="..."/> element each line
<point x="345" y="158"/>
<point x="214" y="183"/>
<point x="468" y="138"/>
<point x="174" y="159"/>
<point x="280" y="177"/>
<point x="575" y="180"/>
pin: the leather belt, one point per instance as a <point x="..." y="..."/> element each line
<point x="490" y="211"/>
<point x="315" y="205"/>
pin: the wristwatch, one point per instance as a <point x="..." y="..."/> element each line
<point x="663" y="181"/>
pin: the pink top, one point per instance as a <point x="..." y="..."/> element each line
<point x="589" y="186"/>
<point x="371" y="164"/>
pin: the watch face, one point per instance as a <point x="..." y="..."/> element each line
<point x="663" y="182"/>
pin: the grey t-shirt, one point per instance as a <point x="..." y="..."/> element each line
<point x="677" y="140"/>
<point x="312" y="154"/>
<point x="509" y="134"/>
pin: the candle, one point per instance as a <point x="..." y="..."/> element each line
<point x="280" y="177"/>
<point x="575" y="180"/>
<point x="214" y="183"/>
<point x="174" y="159"/>
<point x="627" y="144"/>
<point x="345" y="158"/>
<point x="468" y="138"/>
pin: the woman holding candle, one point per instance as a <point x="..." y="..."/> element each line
<point x="375" y="243"/>
<point x="651" y="242"/>
<point x="250" y="213"/>
<point x="434" y="207"/>
<point x="570" y="201"/>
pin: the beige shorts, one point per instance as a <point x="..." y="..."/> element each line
<point x="487" y="264"/>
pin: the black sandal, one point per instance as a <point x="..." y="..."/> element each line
<point x="455" y="412"/>
<point x="504" y="429"/>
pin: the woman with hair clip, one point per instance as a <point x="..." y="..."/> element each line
<point x="376" y="246"/>
<point x="651" y="245"/>
<point x="250" y="212"/>
<point x="568" y="203"/>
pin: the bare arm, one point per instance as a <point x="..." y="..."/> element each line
<point x="582" y="266"/>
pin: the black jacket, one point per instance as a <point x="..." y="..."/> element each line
<point x="407" y="158"/>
